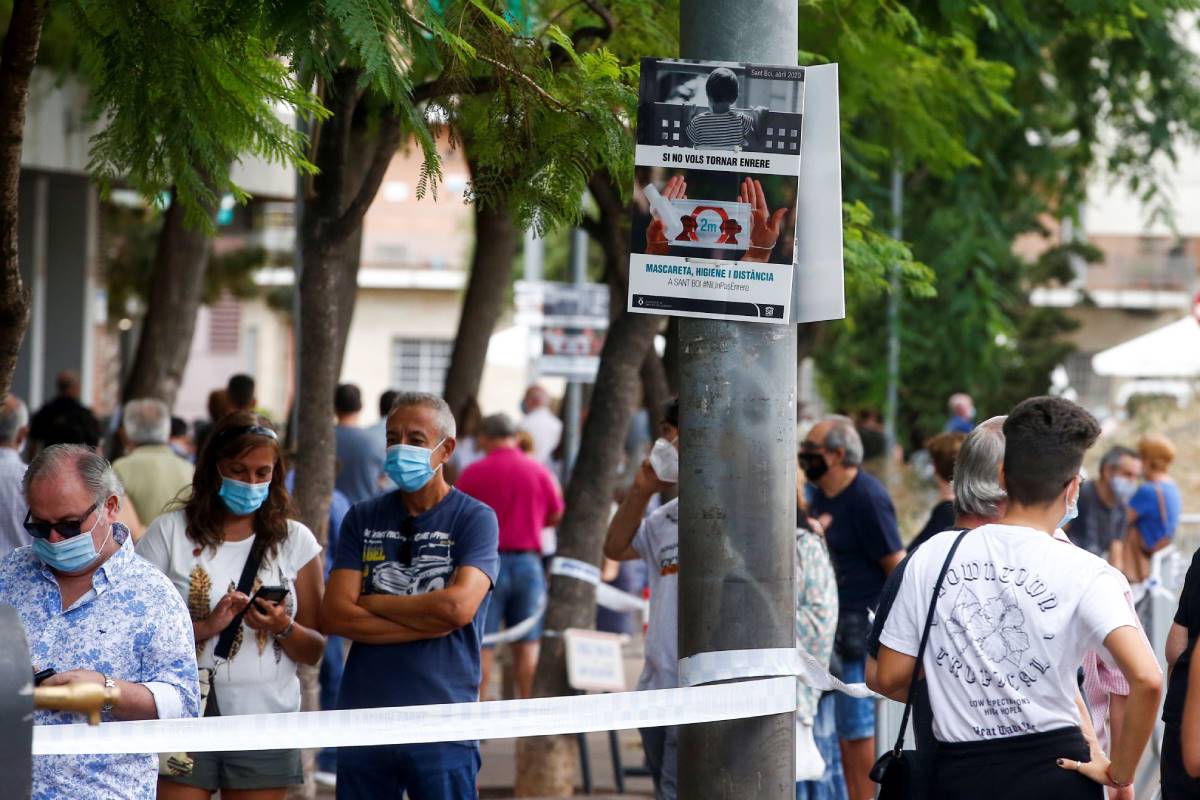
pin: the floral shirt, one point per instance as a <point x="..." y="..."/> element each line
<point x="816" y="610"/>
<point x="131" y="626"/>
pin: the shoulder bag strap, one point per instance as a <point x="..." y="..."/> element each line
<point x="912" y="684"/>
<point x="1162" y="505"/>
<point x="245" y="582"/>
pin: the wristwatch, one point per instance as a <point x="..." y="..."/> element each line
<point x="109" y="683"/>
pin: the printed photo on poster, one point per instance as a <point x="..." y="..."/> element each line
<point x="714" y="105"/>
<point x="715" y="187"/>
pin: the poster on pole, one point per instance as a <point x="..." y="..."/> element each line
<point x="715" y="190"/>
<point x="570" y="321"/>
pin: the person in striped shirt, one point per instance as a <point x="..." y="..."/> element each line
<point x="720" y="128"/>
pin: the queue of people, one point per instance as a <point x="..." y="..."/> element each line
<point x="1014" y="590"/>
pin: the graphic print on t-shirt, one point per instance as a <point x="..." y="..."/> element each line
<point x="668" y="559"/>
<point x="386" y="571"/>
<point x="995" y="626"/>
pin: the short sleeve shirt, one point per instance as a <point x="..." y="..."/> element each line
<point x="1098" y="525"/>
<point x="258" y="677"/>
<point x="657" y="542"/>
<point x="1016" y="615"/>
<point x="862" y="531"/>
<point x="520" y="490"/>
<point x="725" y="131"/>
<point x="1149" y="502"/>
<point x="399" y="554"/>
<point x="816" y="611"/>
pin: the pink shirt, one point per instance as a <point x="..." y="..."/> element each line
<point x="520" y="490"/>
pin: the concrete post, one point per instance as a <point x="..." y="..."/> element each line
<point x="737" y="490"/>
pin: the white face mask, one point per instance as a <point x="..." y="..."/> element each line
<point x="664" y="460"/>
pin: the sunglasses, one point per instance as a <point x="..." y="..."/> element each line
<point x="67" y="528"/>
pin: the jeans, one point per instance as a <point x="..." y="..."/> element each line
<point x="442" y="771"/>
<point x="832" y="785"/>
<point x="855" y="715"/>
<point x="330" y="677"/>
<point x="518" y="592"/>
<point x="662" y="748"/>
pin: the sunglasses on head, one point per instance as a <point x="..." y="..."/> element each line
<point x="67" y="528"/>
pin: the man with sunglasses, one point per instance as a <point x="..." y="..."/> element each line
<point x="94" y="612"/>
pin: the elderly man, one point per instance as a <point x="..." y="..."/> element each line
<point x="962" y="413"/>
<point x="1104" y="505"/>
<point x="526" y="498"/>
<point x="95" y="612"/>
<point x="409" y="586"/>
<point x="540" y="423"/>
<point x="864" y="542"/>
<point x="153" y="475"/>
<point x="14" y="427"/>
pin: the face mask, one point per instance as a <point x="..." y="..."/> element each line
<point x="409" y="466"/>
<point x="1072" y="511"/>
<point x="70" y="555"/>
<point x="814" y="465"/>
<point x="664" y="460"/>
<point x="1123" y="488"/>
<point x="243" y="498"/>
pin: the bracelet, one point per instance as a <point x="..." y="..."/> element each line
<point x="109" y="684"/>
<point x="286" y="632"/>
<point x="760" y="247"/>
<point x="1113" y="781"/>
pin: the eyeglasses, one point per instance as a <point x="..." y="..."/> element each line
<point x="67" y="528"/>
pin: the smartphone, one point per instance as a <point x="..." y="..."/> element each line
<point x="41" y="675"/>
<point x="272" y="594"/>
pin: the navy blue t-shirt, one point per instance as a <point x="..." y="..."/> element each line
<point x="399" y="554"/>
<point x="862" y="531"/>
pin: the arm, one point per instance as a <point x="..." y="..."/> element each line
<point x="434" y="613"/>
<point x="891" y="561"/>
<point x="618" y="542"/>
<point x="1137" y="664"/>
<point x="1177" y="639"/>
<point x="341" y="615"/>
<point x="893" y="674"/>
<point x="1191" y="721"/>
<point x="304" y="644"/>
<point x="136" y="701"/>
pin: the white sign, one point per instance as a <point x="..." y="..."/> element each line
<point x="570" y="320"/>
<point x="594" y="661"/>
<point x="715" y="189"/>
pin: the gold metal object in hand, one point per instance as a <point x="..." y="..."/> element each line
<point x="87" y="698"/>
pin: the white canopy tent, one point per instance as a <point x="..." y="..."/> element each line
<point x="1172" y="351"/>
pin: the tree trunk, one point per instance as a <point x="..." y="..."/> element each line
<point x="349" y="258"/>
<point x="332" y="218"/>
<point x="655" y="390"/>
<point x="176" y="289"/>
<point x="670" y="357"/>
<point x="17" y="60"/>
<point x="496" y="240"/>
<point x="546" y="766"/>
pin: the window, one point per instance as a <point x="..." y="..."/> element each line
<point x="420" y="364"/>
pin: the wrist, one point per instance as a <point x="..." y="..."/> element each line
<point x="287" y="630"/>
<point x="1112" y="779"/>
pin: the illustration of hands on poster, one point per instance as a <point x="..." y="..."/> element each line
<point x="715" y="190"/>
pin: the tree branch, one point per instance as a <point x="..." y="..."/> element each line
<point x="387" y="140"/>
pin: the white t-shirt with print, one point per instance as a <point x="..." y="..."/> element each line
<point x="1016" y="614"/>
<point x="258" y="678"/>
<point x="657" y="542"/>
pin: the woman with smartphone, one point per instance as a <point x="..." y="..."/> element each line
<point x="252" y="579"/>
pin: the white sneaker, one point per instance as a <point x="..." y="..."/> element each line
<point x="327" y="779"/>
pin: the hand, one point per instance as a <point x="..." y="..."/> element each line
<point x="647" y="481"/>
<point x="656" y="232"/>
<point x="1096" y="769"/>
<point x="222" y="614"/>
<point x="263" y="615"/>
<point x="764" y="226"/>
<point x="74" y="676"/>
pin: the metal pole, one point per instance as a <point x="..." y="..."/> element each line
<point x="737" y="488"/>
<point x="893" y="317"/>
<point x="574" y="398"/>
<point x="302" y="127"/>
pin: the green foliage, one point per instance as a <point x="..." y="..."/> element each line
<point x="989" y="157"/>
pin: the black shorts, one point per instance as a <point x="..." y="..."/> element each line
<point x="1014" y="768"/>
<point x="246" y="769"/>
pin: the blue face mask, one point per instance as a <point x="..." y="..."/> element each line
<point x="243" y="498"/>
<point x="70" y="555"/>
<point x="409" y="466"/>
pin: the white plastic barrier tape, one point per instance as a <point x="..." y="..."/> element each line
<point x="725" y="665"/>
<point x="574" y="568"/>
<point x="499" y="719"/>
